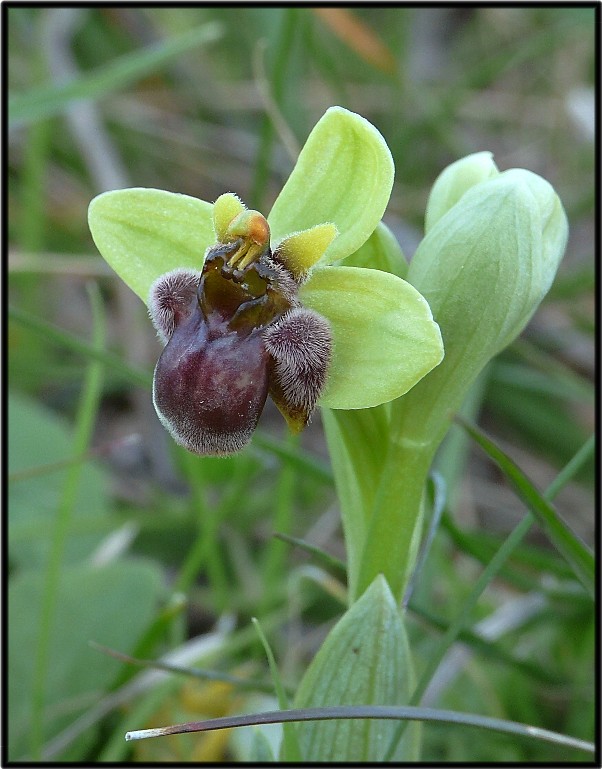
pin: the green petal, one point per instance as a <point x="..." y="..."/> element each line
<point x="380" y="252"/>
<point x="344" y="175"/>
<point x="225" y="208"/>
<point x="301" y="250"/>
<point x="384" y="336"/>
<point x="144" y="233"/>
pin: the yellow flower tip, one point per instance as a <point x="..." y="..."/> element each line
<point x="227" y="207"/>
<point x="300" y="251"/>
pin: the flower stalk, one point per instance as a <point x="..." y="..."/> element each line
<point x="493" y="245"/>
<point x="315" y="305"/>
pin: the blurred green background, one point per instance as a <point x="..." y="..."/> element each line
<point x="110" y="524"/>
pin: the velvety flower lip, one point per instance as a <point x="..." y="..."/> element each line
<point x="381" y="335"/>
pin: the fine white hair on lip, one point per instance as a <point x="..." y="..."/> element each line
<point x="300" y="344"/>
<point x="170" y="296"/>
<point x="206" y="441"/>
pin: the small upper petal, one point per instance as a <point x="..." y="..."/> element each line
<point x="301" y="250"/>
<point x="225" y="209"/>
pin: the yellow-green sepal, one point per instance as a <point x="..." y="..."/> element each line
<point x="343" y="175"/>
<point x="384" y="336"/>
<point x="144" y="233"/>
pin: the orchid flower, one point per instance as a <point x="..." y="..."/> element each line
<point x="248" y="306"/>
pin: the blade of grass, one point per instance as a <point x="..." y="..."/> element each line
<point x="369" y="711"/>
<point x="438" y="484"/>
<point x="568" y="544"/>
<point x="355" y="34"/>
<point x="277" y="77"/>
<point x="127" y="69"/>
<point x="304" y="462"/>
<point x="574" y="385"/>
<point x="329" y="561"/>
<point x="490" y="649"/>
<point x="273" y="566"/>
<point x="71" y="342"/>
<point x="53" y="467"/>
<point x="291" y="749"/>
<point x="244" y="684"/>
<point x="86" y="415"/>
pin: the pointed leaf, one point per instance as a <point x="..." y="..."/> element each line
<point x="365" y="660"/>
<point x="344" y="175"/>
<point x="384" y="336"/>
<point x="144" y="233"/>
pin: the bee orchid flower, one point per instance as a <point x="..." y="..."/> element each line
<point x="248" y="306"/>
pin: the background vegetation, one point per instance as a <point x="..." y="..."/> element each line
<point x="118" y="537"/>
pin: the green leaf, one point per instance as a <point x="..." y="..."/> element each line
<point x="365" y="660"/>
<point x="120" y="73"/>
<point x="37" y="436"/>
<point x="359" y="712"/>
<point x="576" y="553"/>
<point x="261" y="750"/>
<point x="144" y="233"/>
<point x="380" y="252"/>
<point x="384" y="337"/>
<point x="343" y="175"/>
<point x="111" y="605"/>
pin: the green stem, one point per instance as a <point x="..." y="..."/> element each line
<point x="391" y="543"/>
<point x="86" y="416"/>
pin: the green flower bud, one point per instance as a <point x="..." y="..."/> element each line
<point x="454" y="181"/>
<point x="484" y="267"/>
